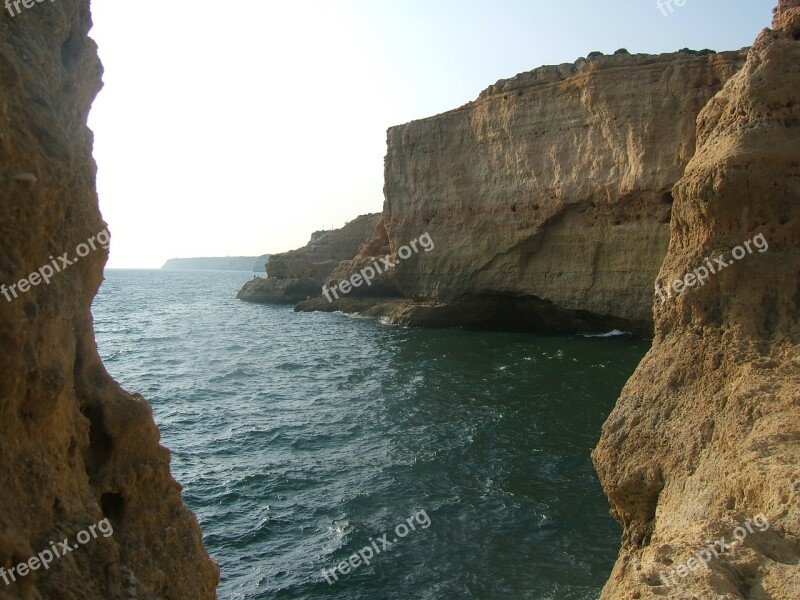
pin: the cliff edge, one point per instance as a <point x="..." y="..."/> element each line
<point x="78" y="453"/>
<point x="548" y="198"/>
<point x="700" y="456"/>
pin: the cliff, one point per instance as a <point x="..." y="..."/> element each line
<point x="256" y="264"/>
<point x="294" y="276"/>
<point x="75" y="448"/>
<point x="706" y="435"/>
<point x="548" y="197"/>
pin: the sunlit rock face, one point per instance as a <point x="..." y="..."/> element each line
<point x="299" y="274"/>
<point x="548" y="198"/>
<point x="75" y="448"/>
<point x="705" y="435"/>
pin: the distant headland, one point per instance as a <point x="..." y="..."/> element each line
<point x="256" y="264"/>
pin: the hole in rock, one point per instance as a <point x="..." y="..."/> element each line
<point x="71" y="50"/>
<point x="100" y="443"/>
<point x="113" y="507"/>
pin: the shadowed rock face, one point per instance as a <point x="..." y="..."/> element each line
<point x="299" y="274"/>
<point x="706" y="433"/>
<point x="75" y="448"/>
<point x="548" y="198"/>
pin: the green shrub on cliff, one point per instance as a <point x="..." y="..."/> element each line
<point x="703" y="52"/>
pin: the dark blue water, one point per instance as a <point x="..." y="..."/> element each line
<point x="301" y="437"/>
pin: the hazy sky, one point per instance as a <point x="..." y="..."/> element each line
<point x="239" y="127"/>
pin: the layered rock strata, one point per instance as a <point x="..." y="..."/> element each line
<point x="706" y="435"/>
<point x="299" y="274"/>
<point x="75" y="448"/>
<point x="548" y="197"/>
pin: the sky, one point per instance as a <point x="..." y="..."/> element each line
<point x="238" y="128"/>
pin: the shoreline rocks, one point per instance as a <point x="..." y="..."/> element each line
<point x="299" y="274"/>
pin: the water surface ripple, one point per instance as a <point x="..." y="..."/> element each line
<point x="298" y="437"/>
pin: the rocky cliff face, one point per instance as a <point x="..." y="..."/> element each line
<point x="706" y="434"/>
<point x="296" y="275"/>
<point x="75" y="448"/>
<point x="549" y="197"/>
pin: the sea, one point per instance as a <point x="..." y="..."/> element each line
<point x="460" y="458"/>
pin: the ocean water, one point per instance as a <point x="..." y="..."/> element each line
<point x="301" y="439"/>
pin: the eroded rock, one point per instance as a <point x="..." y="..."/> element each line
<point x="299" y="274"/>
<point x="706" y="434"/>
<point x="75" y="448"/>
<point x="549" y="197"/>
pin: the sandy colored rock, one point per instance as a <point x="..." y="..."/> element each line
<point x="75" y="448"/>
<point x="706" y="434"/>
<point x="299" y="274"/>
<point x="548" y="197"/>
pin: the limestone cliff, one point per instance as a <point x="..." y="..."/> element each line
<point x="548" y="197"/>
<point x="706" y="434"/>
<point x="75" y="448"/>
<point x="295" y="275"/>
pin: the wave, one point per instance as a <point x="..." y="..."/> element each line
<point x="612" y="333"/>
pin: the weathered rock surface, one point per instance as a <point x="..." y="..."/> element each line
<point x="74" y="447"/>
<point x="706" y="433"/>
<point x="299" y="274"/>
<point x="548" y="198"/>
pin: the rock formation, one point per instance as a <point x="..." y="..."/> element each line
<point x="296" y="275"/>
<point x="706" y="434"/>
<point x="74" y="447"/>
<point x="548" y="198"/>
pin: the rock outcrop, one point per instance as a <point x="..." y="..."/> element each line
<point x="299" y="274"/>
<point x="75" y="448"/>
<point x="706" y="434"/>
<point x="548" y="198"/>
